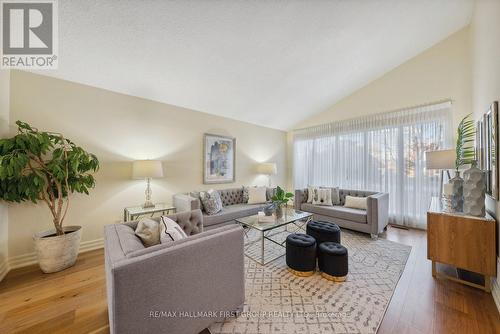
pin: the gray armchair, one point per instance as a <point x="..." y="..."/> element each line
<point x="373" y="220"/>
<point x="155" y="289"/>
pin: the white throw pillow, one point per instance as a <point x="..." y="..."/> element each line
<point x="310" y="193"/>
<point x="257" y="195"/>
<point x="148" y="231"/>
<point x="170" y="231"/>
<point x="356" y="202"/>
<point x="322" y="197"/>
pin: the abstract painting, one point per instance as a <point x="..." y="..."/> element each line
<point x="218" y="159"/>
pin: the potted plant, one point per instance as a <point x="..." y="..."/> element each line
<point x="465" y="154"/>
<point x="279" y="199"/>
<point x="44" y="166"/>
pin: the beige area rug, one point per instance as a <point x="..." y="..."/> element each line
<point x="279" y="302"/>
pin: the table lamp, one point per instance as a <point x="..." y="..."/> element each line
<point x="442" y="160"/>
<point x="267" y="168"/>
<point x="147" y="169"/>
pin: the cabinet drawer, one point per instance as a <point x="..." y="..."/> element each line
<point x="462" y="242"/>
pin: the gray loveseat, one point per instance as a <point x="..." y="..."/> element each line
<point x="148" y="288"/>
<point x="373" y="220"/>
<point x="232" y="202"/>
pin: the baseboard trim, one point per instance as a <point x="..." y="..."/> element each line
<point x="4" y="269"/>
<point x="30" y="258"/>
<point x="495" y="291"/>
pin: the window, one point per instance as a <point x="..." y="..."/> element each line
<point x="380" y="153"/>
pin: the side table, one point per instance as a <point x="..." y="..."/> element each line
<point x="462" y="241"/>
<point x="135" y="212"/>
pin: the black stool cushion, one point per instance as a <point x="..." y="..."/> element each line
<point x="323" y="231"/>
<point x="301" y="252"/>
<point x="333" y="259"/>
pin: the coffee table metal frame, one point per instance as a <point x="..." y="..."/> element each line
<point x="298" y="221"/>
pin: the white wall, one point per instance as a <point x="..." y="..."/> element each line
<point x="118" y="129"/>
<point x="440" y="72"/>
<point x="485" y="37"/>
<point x="4" y="130"/>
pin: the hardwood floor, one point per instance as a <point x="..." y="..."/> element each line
<point x="74" y="301"/>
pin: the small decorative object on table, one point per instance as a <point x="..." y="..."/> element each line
<point x="270" y="209"/>
<point x="279" y="199"/>
<point x="263" y="218"/>
<point x="446" y="200"/>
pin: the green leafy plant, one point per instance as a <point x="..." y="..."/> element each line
<point x="466" y="134"/>
<point x="281" y="197"/>
<point x="44" y="166"/>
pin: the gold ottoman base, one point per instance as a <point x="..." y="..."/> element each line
<point x="301" y="273"/>
<point x="334" y="278"/>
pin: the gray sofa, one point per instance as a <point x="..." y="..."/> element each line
<point x="373" y="220"/>
<point x="232" y="202"/>
<point x="145" y="286"/>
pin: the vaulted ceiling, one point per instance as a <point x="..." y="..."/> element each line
<point x="272" y="63"/>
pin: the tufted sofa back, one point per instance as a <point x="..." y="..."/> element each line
<point x="231" y="196"/>
<point x="355" y="193"/>
<point x="343" y="193"/>
<point x="190" y="221"/>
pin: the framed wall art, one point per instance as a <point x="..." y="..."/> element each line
<point x="219" y="155"/>
<point x="487" y="149"/>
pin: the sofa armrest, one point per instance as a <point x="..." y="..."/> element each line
<point x="299" y="198"/>
<point x="193" y="277"/>
<point x="378" y="212"/>
<point x="183" y="202"/>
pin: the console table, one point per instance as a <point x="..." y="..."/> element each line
<point x="465" y="242"/>
<point x="135" y="212"/>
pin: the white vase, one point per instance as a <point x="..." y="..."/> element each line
<point x="57" y="252"/>
<point x="457" y="197"/>
<point x="474" y="192"/>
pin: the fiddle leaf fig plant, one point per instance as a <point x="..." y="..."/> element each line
<point x="466" y="134"/>
<point x="44" y="166"/>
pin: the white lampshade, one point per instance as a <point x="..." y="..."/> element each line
<point x="442" y="159"/>
<point x="142" y="169"/>
<point x="268" y="168"/>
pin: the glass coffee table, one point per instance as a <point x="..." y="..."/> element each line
<point x="292" y="222"/>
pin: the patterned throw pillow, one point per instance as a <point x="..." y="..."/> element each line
<point x="322" y="197"/>
<point x="310" y="193"/>
<point x="335" y="194"/>
<point x="148" y="231"/>
<point x="170" y="231"/>
<point x="211" y="200"/>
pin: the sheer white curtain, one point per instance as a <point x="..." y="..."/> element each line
<point x="384" y="152"/>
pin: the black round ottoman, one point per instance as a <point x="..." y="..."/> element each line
<point x="323" y="231"/>
<point x="301" y="254"/>
<point x="333" y="262"/>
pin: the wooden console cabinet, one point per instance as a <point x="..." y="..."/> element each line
<point x="465" y="242"/>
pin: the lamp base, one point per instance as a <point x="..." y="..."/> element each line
<point x="148" y="204"/>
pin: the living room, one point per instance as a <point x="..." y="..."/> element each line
<point x="250" y="167"/>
